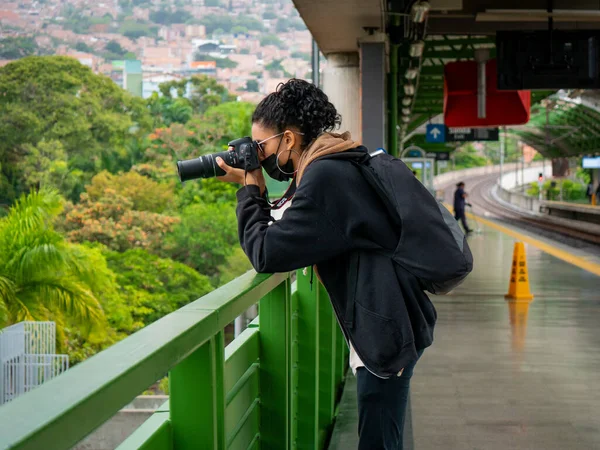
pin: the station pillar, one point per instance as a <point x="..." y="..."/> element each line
<point x="341" y="83"/>
<point x="373" y="72"/>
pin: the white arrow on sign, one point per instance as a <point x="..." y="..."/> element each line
<point x="435" y="132"/>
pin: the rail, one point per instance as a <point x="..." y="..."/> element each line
<point x="276" y="386"/>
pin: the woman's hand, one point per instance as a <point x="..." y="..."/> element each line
<point x="233" y="175"/>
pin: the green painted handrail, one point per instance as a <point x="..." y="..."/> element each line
<point x="250" y="395"/>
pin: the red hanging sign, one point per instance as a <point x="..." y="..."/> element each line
<point x="460" y="98"/>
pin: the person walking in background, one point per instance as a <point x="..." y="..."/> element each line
<point x="590" y="192"/>
<point x="459" y="205"/>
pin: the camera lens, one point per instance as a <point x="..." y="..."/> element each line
<point x="204" y="166"/>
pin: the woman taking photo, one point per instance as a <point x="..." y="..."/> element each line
<point x="337" y="224"/>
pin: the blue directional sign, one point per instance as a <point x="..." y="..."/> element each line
<point x="435" y="133"/>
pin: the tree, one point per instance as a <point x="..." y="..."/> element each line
<point x="144" y="193"/>
<point x="205" y="237"/>
<point x="467" y="156"/>
<point x="271" y="39"/>
<point x="166" y="17"/>
<point x="56" y="98"/>
<point x="45" y="165"/>
<point x="212" y="3"/>
<point x="83" y="47"/>
<point x="225" y="23"/>
<point x="221" y="124"/>
<point x="205" y="92"/>
<point x="112" y="221"/>
<point x="17" y="47"/>
<point x="238" y="29"/>
<point x="153" y="287"/>
<point x="115" y="47"/>
<point x="236" y="265"/>
<point x="222" y="63"/>
<point x="252" y="86"/>
<point x="42" y="277"/>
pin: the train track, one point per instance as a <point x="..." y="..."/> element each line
<point x="484" y="205"/>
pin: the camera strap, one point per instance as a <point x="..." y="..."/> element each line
<point x="289" y="194"/>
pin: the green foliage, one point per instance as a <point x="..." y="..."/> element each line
<point x="41" y="275"/>
<point x="252" y="86"/>
<point x="204" y="92"/>
<point x="212" y="3"/>
<point x="83" y="47"/>
<point x="236" y="265"/>
<point x="571" y="191"/>
<point x="226" y="63"/>
<point x="166" y="17"/>
<point x="58" y="99"/>
<point x="302" y="55"/>
<point x="274" y="65"/>
<point x="226" y="23"/>
<point x="284" y="25"/>
<point x="134" y="30"/>
<point x="115" y="47"/>
<point x="239" y="30"/>
<point x="205" y="237"/>
<point x="269" y="15"/>
<point x="221" y="124"/>
<point x="271" y="39"/>
<point x="153" y="287"/>
<point x="584" y="175"/>
<point x="144" y="194"/>
<point x="45" y="165"/>
<point x="17" y="47"/>
<point x="100" y="267"/>
<point x="111" y="220"/>
<point x="222" y="63"/>
<point x="467" y="156"/>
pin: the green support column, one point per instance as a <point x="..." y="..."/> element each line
<point x="393" y="101"/>
<point x="295" y="370"/>
<point x="326" y="364"/>
<point x="308" y="363"/>
<point x="275" y="330"/>
<point x="195" y="383"/>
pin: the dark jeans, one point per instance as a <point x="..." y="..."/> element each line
<point x="460" y="214"/>
<point x="382" y="409"/>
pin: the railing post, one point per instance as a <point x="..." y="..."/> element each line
<point x="326" y="350"/>
<point x="275" y="345"/>
<point x="197" y="398"/>
<point x="308" y="363"/>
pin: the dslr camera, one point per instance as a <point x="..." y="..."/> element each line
<point x="241" y="154"/>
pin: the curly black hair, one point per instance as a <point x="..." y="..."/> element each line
<point x="297" y="103"/>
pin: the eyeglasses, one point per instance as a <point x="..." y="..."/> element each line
<point x="274" y="136"/>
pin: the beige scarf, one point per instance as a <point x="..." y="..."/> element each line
<point x="325" y="144"/>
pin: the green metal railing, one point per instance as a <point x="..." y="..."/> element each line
<point x="276" y="386"/>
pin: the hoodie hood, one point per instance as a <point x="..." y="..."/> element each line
<point x="325" y="144"/>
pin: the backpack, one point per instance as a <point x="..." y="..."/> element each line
<point x="432" y="246"/>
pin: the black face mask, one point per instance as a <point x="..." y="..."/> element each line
<point x="277" y="172"/>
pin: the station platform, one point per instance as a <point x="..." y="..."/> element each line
<point x="504" y="374"/>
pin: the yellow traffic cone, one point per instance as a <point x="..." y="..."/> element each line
<point x="518" y="288"/>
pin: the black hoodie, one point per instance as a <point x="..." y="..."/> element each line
<point x="338" y="222"/>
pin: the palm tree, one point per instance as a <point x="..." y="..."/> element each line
<point x="42" y="276"/>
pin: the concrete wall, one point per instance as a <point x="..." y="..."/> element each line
<point x="450" y="177"/>
<point x="119" y="427"/>
<point x="513" y="179"/>
<point x="341" y="83"/>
